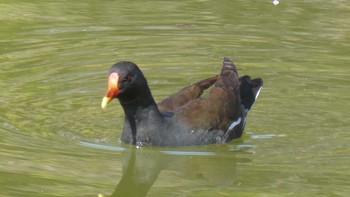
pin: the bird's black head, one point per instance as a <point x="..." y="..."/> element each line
<point x="125" y="82"/>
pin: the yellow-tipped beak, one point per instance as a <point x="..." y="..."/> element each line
<point x="112" y="91"/>
<point x="105" y="101"/>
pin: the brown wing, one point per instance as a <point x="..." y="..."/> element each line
<point x="219" y="107"/>
<point x="186" y="95"/>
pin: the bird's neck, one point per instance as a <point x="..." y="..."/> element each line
<point x="139" y="110"/>
<point x="135" y="102"/>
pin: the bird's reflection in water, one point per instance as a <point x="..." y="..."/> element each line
<point x="141" y="168"/>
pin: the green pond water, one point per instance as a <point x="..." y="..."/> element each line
<point x="55" y="140"/>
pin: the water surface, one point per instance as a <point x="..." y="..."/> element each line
<point x="56" y="141"/>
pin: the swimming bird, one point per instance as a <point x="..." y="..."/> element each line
<point x="186" y="117"/>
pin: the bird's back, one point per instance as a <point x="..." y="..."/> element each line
<point x="219" y="107"/>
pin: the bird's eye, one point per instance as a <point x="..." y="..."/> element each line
<point x="128" y="78"/>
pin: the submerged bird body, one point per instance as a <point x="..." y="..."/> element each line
<point x="184" y="118"/>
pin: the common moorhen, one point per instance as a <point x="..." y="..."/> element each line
<point x="184" y="118"/>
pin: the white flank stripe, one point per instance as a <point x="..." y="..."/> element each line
<point x="257" y="94"/>
<point x="234" y="123"/>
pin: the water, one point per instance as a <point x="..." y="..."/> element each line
<point x="56" y="141"/>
